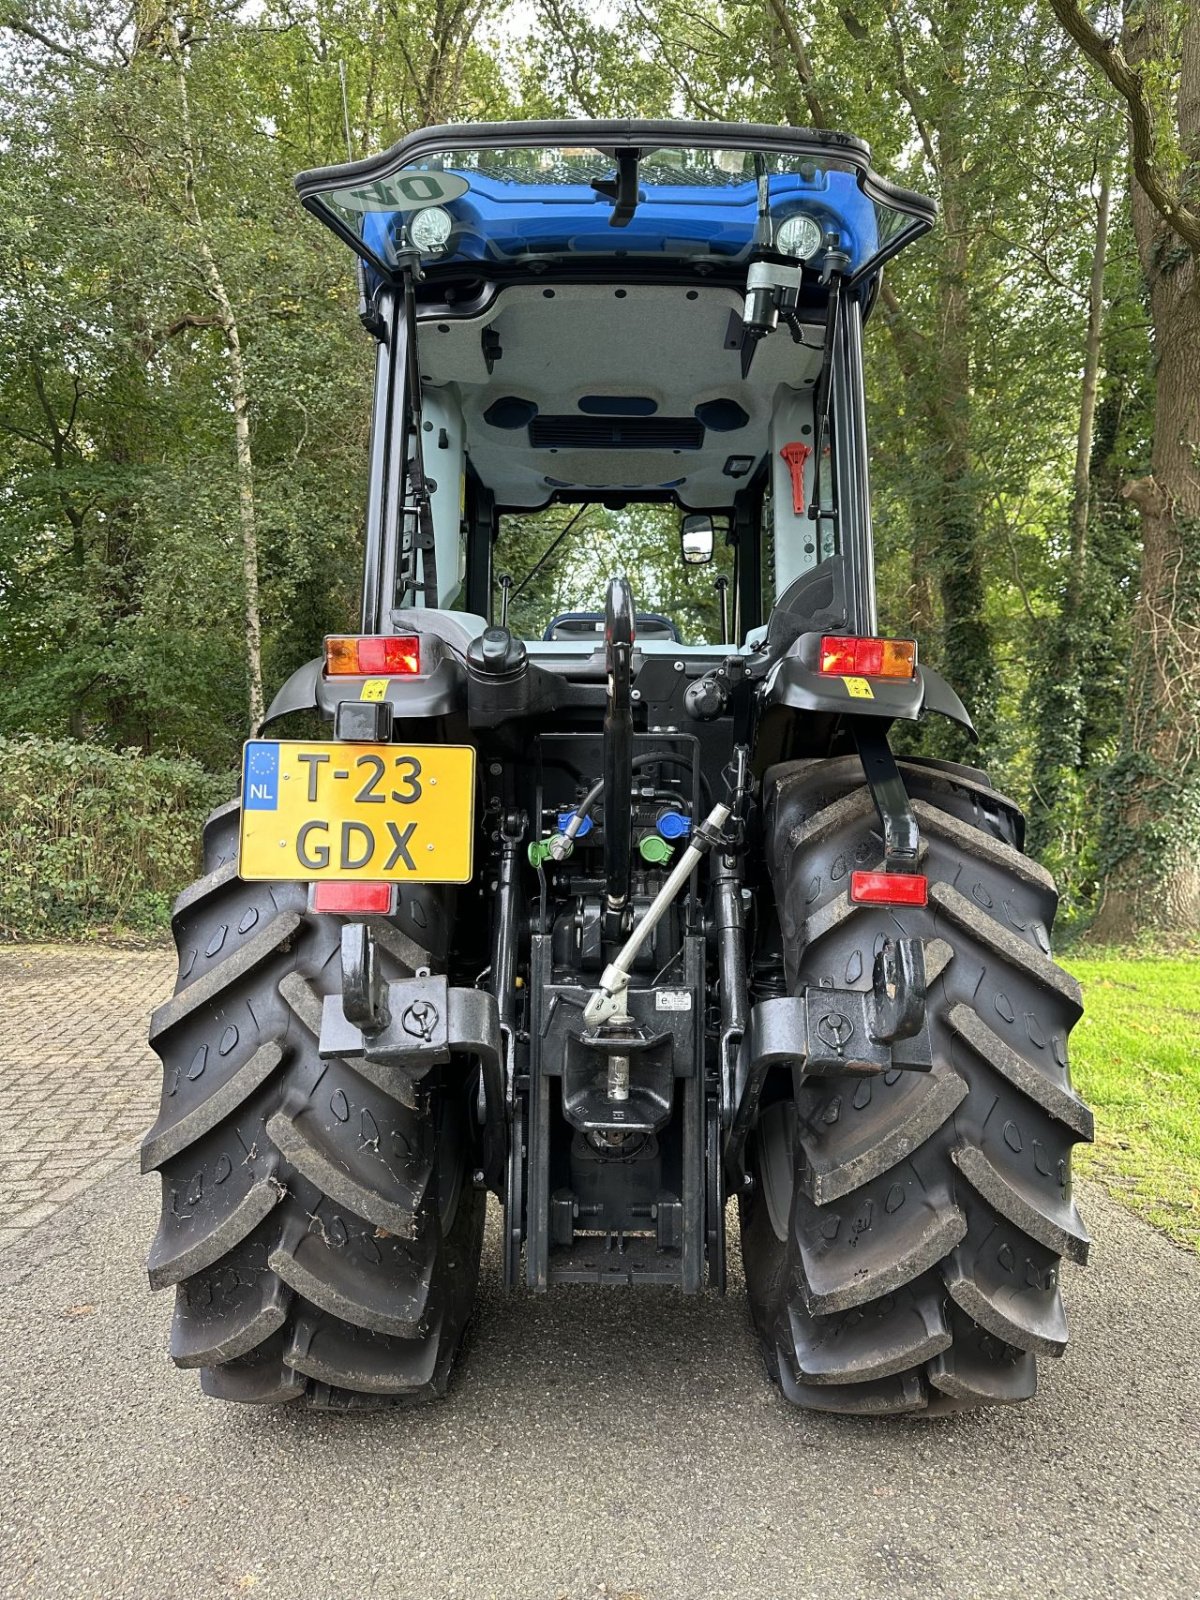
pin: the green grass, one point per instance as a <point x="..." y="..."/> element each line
<point x="1135" y="1057"/>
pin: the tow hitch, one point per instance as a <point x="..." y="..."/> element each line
<point x="413" y="1024"/>
<point x="821" y="1031"/>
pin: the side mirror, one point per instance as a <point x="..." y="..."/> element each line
<point x="697" y="537"/>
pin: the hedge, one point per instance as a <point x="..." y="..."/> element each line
<point x="94" y="839"/>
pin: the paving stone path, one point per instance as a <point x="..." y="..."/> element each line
<point x="594" y="1445"/>
<point x="78" y="1082"/>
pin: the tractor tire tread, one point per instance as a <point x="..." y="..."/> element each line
<point x="926" y="1214"/>
<point x="215" y="982"/>
<point x="321" y="1247"/>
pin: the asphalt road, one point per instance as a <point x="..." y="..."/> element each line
<point x="595" y="1444"/>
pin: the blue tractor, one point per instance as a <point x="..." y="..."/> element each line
<point x="616" y="914"/>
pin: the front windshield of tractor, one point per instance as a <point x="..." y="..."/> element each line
<point x="560" y="560"/>
<point x="544" y="204"/>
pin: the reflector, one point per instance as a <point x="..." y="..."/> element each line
<point x="889" y="888"/>
<point x="353" y="899"/>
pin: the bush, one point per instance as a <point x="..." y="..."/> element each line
<point x="96" y="839"/>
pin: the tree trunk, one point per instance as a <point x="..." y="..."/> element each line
<point x="1151" y="841"/>
<point x="1060" y="694"/>
<point x="1081" y="495"/>
<point x="909" y="347"/>
<point x="239" y="396"/>
<point x="955" y="534"/>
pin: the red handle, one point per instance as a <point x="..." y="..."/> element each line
<point x="796" y="455"/>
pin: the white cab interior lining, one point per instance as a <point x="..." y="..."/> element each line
<point x="652" y="342"/>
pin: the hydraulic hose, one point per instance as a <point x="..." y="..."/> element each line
<point x="651" y="758"/>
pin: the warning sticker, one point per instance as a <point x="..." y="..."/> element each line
<point x="374" y="689"/>
<point x="858" y="687"/>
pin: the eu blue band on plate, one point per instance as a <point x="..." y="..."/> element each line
<point x="260" y="776"/>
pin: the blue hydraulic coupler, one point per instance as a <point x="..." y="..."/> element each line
<point x="672" y="824"/>
<point x="565" y="818"/>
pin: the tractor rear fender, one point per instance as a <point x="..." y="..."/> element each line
<point x="432" y="694"/>
<point x="436" y="690"/>
<point x="299" y="693"/>
<point x="794" y="681"/>
<point x="442" y="686"/>
<point x="940" y="697"/>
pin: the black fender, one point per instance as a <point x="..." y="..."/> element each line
<point x="447" y="683"/>
<point x="794" y="681"/>
<point x="433" y="693"/>
<point x="439" y="688"/>
<point x="940" y="697"/>
<point x="299" y="693"/>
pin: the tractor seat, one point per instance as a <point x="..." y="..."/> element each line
<point x="590" y="625"/>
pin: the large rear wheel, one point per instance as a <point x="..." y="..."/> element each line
<point x="319" y="1222"/>
<point x="904" y="1232"/>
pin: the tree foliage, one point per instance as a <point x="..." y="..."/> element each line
<point x="96" y="837"/>
<point x="130" y="247"/>
<point x="1150" y="843"/>
<point x="124" y="592"/>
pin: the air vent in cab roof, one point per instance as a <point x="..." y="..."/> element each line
<point x="616" y="433"/>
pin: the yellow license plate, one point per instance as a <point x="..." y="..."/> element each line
<point x="380" y="812"/>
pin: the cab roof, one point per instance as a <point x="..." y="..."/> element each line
<point x="578" y="292"/>
<point x="621" y="197"/>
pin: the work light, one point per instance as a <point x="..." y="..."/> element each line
<point x="429" y="229"/>
<point x="798" y="236"/>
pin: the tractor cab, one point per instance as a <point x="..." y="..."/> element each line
<point x="661" y="321"/>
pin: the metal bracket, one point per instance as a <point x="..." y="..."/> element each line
<point x="363" y="995"/>
<point x="901" y="841"/>
<point x="363" y="721"/>
<point x="898" y="992"/>
<point x="426" y="1021"/>
<point x="619" y="631"/>
<point x="822" y="1032"/>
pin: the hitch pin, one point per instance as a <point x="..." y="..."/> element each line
<point x="608" y="1000"/>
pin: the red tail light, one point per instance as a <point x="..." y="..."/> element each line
<point x="889" y="888"/>
<point x="384" y="655"/>
<point x="353" y="899"/>
<point x="852" y="657"/>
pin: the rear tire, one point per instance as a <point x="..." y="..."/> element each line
<point x="903" y="1235"/>
<point x="319" y="1221"/>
